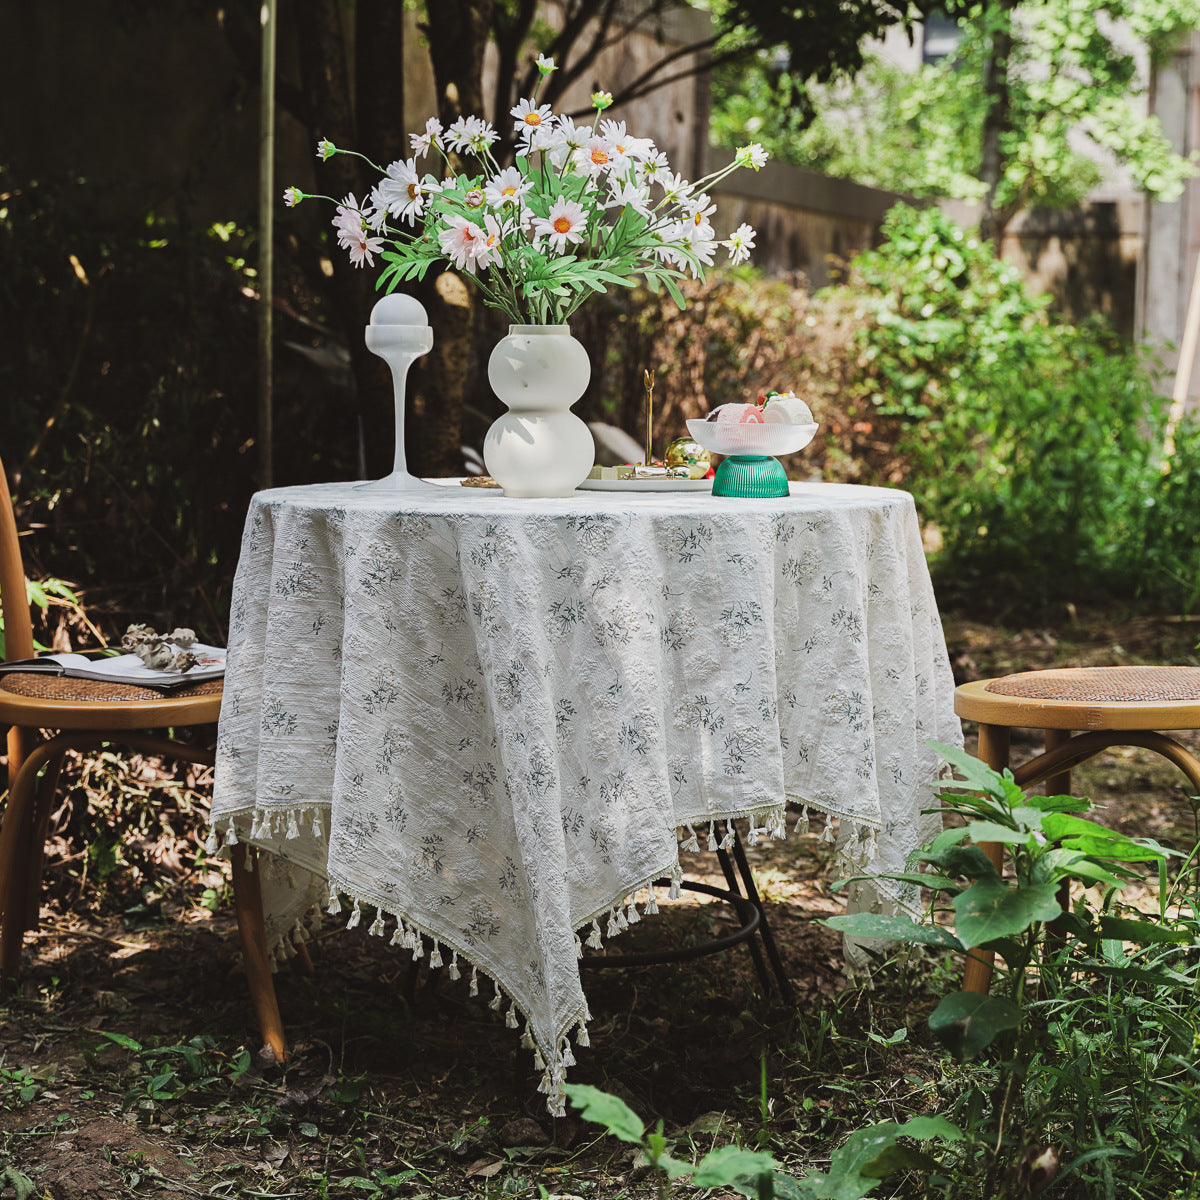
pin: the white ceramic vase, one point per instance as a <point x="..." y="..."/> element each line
<point x="539" y="448"/>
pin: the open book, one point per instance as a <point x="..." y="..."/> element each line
<point x="123" y="668"/>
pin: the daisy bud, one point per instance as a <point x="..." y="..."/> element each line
<point x="601" y="100"/>
<point x="546" y="65"/>
<point x="292" y="196"/>
<point x="325" y="149"/>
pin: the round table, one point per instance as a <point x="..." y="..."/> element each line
<point x="489" y="723"/>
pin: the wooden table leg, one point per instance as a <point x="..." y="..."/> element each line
<point x="993" y="750"/>
<point x="247" y="898"/>
<point x="1058" y="785"/>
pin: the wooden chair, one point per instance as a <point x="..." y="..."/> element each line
<point x="48" y="715"/>
<point x="1110" y="706"/>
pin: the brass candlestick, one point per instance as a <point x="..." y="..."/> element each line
<point x="648" y="379"/>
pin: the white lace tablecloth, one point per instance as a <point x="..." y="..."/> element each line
<point x="482" y="721"/>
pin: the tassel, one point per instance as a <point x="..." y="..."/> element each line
<point x="496" y="1000"/>
<point x="418" y="946"/>
<point x="632" y="917"/>
<point x="566" y="1057"/>
<point x="293" y="826"/>
<point x="690" y="843"/>
<point x="435" y="959"/>
<point x="335" y="904"/>
<point x="676" y="883"/>
<point x="712" y="836"/>
<point x="317" y="830"/>
<point x="651" y="906"/>
<point x="594" y="939"/>
<point x="539" y="1063"/>
<point x="622" y="920"/>
<point x="802" y="823"/>
<point x="376" y="929"/>
<point x="452" y="970"/>
<point x="510" y="1018"/>
<point x="398" y="934"/>
<point x="250" y="859"/>
<point x="474" y="989"/>
<point x="527" y="1038"/>
<point x="231" y="838"/>
<point x="581" y="1035"/>
<point x="727" y="840"/>
<point x="212" y="845"/>
<point x="613" y="927"/>
<point x="753" y="834"/>
<point x="355" y="916"/>
<point x="578" y="947"/>
<point x="827" y="832"/>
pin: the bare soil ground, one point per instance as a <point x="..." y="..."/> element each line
<point x="128" y="1062"/>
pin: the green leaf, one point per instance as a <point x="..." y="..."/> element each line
<point x="893" y="929"/>
<point x="990" y="909"/>
<point x="728" y="1164"/>
<point x="869" y="1154"/>
<point x="989" y="831"/>
<point x="979" y="775"/>
<point x="1143" y="932"/>
<point x="121" y="1040"/>
<point x="967" y="861"/>
<point x="606" y="1109"/>
<point x="967" y="1022"/>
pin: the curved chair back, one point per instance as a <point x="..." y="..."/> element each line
<point x="14" y="604"/>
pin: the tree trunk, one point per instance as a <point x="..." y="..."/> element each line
<point x="996" y="90"/>
<point x="325" y="76"/>
<point x="458" y="35"/>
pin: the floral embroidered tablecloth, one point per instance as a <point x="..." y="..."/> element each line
<point x="487" y="724"/>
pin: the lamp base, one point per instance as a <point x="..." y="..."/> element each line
<point x="751" y="476"/>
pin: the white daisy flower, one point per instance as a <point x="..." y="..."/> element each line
<point x="565" y="139"/>
<point x="292" y="196"/>
<point x="653" y="167"/>
<point x="675" y="188"/>
<point x="529" y="115"/>
<point x="753" y="156"/>
<point x="507" y="188"/>
<point x="352" y="233"/>
<point x="740" y="243"/>
<point x="422" y="143"/>
<point x="325" y="149"/>
<point x="625" y="145"/>
<point x="594" y="157"/>
<point x="460" y="242"/>
<point x="635" y="195"/>
<point x="546" y="65"/>
<point x="402" y="191"/>
<point x="487" y="250"/>
<point x="565" y="223"/>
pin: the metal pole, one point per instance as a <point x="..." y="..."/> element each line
<point x="266" y="245"/>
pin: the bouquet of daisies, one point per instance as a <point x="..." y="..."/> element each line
<point x="585" y="207"/>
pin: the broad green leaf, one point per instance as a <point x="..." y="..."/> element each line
<point x="606" y="1109"/>
<point x="870" y="1154"/>
<point x="967" y="1022"/>
<point x="893" y="929"/>
<point x="727" y="1164"/>
<point x="978" y="774"/>
<point x="1059" y="803"/>
<point x="1061" y="862"/>
<point x="1142" y="932"/>
<point x="991" y="909"/>
<point x="1117" y="849"/>
<point x="968" y="861"/>
<point x="989" y="831"/>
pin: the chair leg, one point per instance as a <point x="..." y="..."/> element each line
<point x="993" y="750"/>
<point x="16" y="837"/>
<point x="247" y="899"/>
<point x="40" y="819"/>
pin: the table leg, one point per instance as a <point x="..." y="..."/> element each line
<point x="993" y="750"/>
<point x="1058" y="785"/>
<point x="247" y="899"/>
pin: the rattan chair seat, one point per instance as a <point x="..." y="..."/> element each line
<point x="63" y="687"/>
<point x="1103" y="685"/>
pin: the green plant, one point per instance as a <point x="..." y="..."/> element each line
<point x="855" y="1168"/>
<point x="1053" y="1045"/>
<point x="1033" y="445"/>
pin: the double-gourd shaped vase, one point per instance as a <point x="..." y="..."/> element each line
<point x="539" y="448"/>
